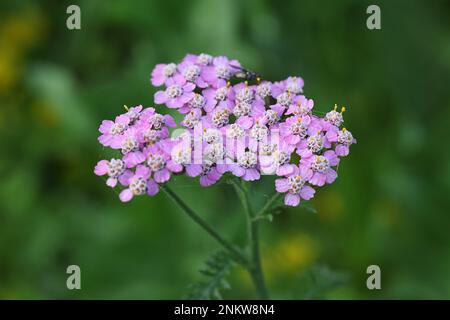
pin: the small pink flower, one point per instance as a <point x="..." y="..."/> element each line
<point x="295" y="187"/>
<point x="112" y="129"/>
<point x="176" y="94"/>
<point x="320" y="168"/>
<point x="139" y="184"/>
<point x="163" y="74"/>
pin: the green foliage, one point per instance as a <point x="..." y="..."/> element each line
<point x="320" y="279"/>
<point x="215" y="271"/>
<point x="389" y="205"/>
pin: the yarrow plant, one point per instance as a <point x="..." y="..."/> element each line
<point x="235" y="125"/>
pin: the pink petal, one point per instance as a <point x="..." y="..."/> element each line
<point x="169" y="121"/>
<point x="251" y="175"/>
<point x="292" y="199"/>
<point x="331" y="175"/>
<point x="105" y="126"/>
<point x="245" y="122"/>
<point x="161" y="97"/>
<point x="307" y="192"/>
<point x="143" y="171"/>
<point x="174" y="167"/>
<point x="318" y="179"/>
<point x="193" y="170"/>
<point x="237" y="170"/>
<point x="285" y="169"/>
<point x="111" y="182"/>
<point x="126" y="195"/>
<point x="152" y="188"/>
<point x="101" y="168"/>
<point x="162" y="175"/>
<point x="342" y="150"/>
<point x="124" y="179"/>
<point x="281" y="185"/>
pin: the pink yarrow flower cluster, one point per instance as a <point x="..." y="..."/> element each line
<point x="234" y="123"/>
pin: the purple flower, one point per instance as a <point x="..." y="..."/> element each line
<point x="222" y="97"/>
<point x="274" y="159"/>
<point x="159" y="161"/>
<point x="320" y="168"/>
<point x="295" y="187"/>
<point x="300" y="106"/>
<point x="221" y="70"/>
<point x="246" y="166"/>
<point x="163" y="74"/>
<point x="176" y="94"/>
<point x="211" y="173"/>
<point x="139" y="184"/>
<point x="112" y="129"/>
<point x="242" y="131"/>
<point x="343" y="139"/>
<point x="294" y="129"/>
<point x="115" y="169"/>
<point x="192" y="73"/>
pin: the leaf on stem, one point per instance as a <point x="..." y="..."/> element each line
<point x="215" y="271"/>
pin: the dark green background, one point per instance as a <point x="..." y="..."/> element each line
<point x="388" y="207"/>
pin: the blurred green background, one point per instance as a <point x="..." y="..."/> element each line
<point x="389" y="207"/>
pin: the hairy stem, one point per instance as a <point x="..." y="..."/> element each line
<point x="254" y="266"/>
<point x="203" y="224"/>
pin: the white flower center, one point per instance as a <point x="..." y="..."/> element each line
<point x="215" y="153"/>
<point x="315" y="143"/>
<point x="191" y="72"/>
<point x="320" y="164"/>
<point x="138" y="185"/>
<point x="169" y="70"/>
<point x="190" y="120"/>
<point x="284" y="99"/>
<point x="117" y="128"/>
<point x="248" y="160"/>
<point x="293" y="86"/>
<point x="129" y="144"/>
<point x="242" y="109"/>
<point x="152" y="136"/>
<point x="299" y="129"/>
<point x="334" y="118"/>
<point x="211" y="136"/>
<point x="221" y="94"/>
<point x="156" y="121"/>
<point x="182" y="156"/>
<point x="296" y="183"/>
<point x="204" y="59"/>
<point x="198" y="101"/>
<point x="281" y="157"/>
<point x="267" y="149"/>
<point x="271" y="116"/>
<point x="115" y="168"/>
<point x="245" y="95"/>
<point x="156" y="162"/>
<point x="345" y="137"/>
<point x="263" y="90"/>
<point x="222" y="71"/>
<point x="220" y="118"/>
<point x="174" y="91"/>
<point x="235" y="131"/>
<point x="259" y="132"/>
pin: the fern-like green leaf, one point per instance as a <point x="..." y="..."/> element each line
<point x="215" y="271"/>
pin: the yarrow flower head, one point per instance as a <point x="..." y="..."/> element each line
<point x="234" y="124"/>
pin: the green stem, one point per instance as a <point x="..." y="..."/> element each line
<point x="202" y="223"/>
<point x="254" y="267"/>
<point x="268" y="205"/>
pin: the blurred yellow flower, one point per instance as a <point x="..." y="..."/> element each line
<point x="290" y="256"/>
<point x="18" y="33"/>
